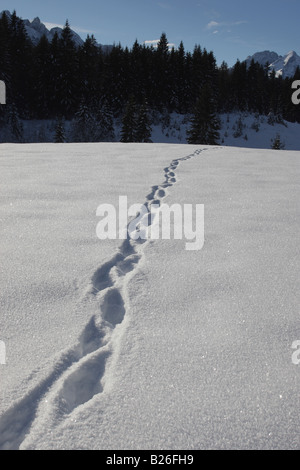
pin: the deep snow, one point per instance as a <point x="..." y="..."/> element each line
<point x="117" y="345"/>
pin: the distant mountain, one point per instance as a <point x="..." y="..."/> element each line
<point x="36" y="29"/>
<point x="284" y="66"/>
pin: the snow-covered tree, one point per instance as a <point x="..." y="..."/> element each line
<point x="277" y="144"/>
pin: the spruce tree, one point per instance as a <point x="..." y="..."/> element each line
<point x="54" y="77"/>
<point x="5" y="59"/>
<point x="115" y="79"/>
<point x="88" y="56"/>
<point x="42" y="84"/>
<point x="105" y="125"/>
<point x="60" y="132"/>
<point x="129" y="124"/>
<point x="162" y="73"/>
<point x="179" y="75"/>
<point x="20" y="51"/>
<point x="143" y="130"/>
<point x="15" y="126"/>
<point x="239" y="128"/>
<point x="205" y="125"/>
<point x="276" y="143"/>
<point x="84" y="125"/>
<point x="67" y="85"/>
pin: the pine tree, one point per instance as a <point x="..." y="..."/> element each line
<point x="20" y="51"/>
<point x="54" y="77"/>
<point x="162" y="73"/>
<point x="15" y="126"/>
<point x="205" y="125"/>
<point x="84" y="125"/>
<point x="276" y="143"/>
<point x="223" y="85"/>
<point x="67" y="85"/>
<point x="162" y="45"/>
<point x="238" y="87"/>
<point x="129" y="124"/>
<point x="239" y="128"/>
<point x="89" y="58"/>
<point x="116" y="82"/>
<point x="105" y="125"/>
<point x="60" y="132"/>
<point x="5" y="59"/>
<point x="42" y="83"/>
<point x="178" y="68"/>
<point x="143" y="131"/>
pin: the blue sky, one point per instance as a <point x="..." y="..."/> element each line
<point x="232" y="29"/>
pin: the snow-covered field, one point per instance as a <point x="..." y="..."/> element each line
<point x="257" y="131"/>
<point x="113" y="344"/>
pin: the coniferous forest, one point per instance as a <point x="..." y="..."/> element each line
<point x="60" y="81"/>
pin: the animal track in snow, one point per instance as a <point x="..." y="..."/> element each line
<point x="77" y="375"/>
<point x="113" y="307"/>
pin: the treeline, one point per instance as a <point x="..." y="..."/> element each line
<point x="54" y="79"/>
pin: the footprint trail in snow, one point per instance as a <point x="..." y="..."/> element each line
<point x="78" y="375"/>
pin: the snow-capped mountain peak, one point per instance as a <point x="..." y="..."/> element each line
<point x="284" y="66"/>
<point x="263" y="57"/>
<point x="36" y="29"/>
